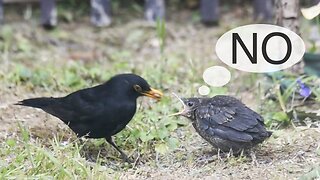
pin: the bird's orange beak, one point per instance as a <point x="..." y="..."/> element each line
<point x="153" y="93"/>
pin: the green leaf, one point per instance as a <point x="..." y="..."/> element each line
<point x="280" y="116"/>
<point x="98" y="142"/>
<point x="11" y="142"/>
<point x="161" y="148"/>
<point x="172" y="126"/>
<point x="144" y="136"/>
<point x="135" y="133"/>
<point x="183" y="122"/>
<point x="163" y="133"/>
<point x="173" y="143"/>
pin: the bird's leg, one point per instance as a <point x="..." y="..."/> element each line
<point x="253" y="157"/>
<point x="219" y="156"/>
<point x="80" y="141"/>
<point x="123" y="155"/>
<point x="230" y="153"/>
<point x="85" y="150"/>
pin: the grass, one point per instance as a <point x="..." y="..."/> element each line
<point x="31" y="158"/>
<point x="38" y="146"/>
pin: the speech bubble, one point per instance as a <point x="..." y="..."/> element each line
<point x="260" y="48"/>
<point x="204" y="90"/>
<point x="216" y="76"/>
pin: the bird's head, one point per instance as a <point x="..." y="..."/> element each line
<point x="136" y="86"/>
<point x="189" y="107"/>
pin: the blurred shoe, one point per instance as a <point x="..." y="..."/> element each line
<point x="48" y="14"/>
<point x="1" y="12"/>
<point x="209" y="11"/>
<point x="48" y="26"/>
<point x="101" y="13"/>
<point x="154" y="10"/>
<point x="210" y="23"/>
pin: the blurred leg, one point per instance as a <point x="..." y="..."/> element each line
<point x="263" y="10"/>
<point x="154" y="9"/>
<point x="209" y="11"/>
<point x="101" y="12"/>
<point x="48" y="14"/>
<point x="1" y="12"/>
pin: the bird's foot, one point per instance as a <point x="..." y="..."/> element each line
<point x="204" y="160"/>
<point x="123" y="155"/>
<point x="253" y="158"/>
<point x="219" y="155"/>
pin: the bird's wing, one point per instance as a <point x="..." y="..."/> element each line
<point x="231" y="121"/>
<point x="79" y="106"/>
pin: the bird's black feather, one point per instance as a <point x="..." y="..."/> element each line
<point x="96" y="112"/>
<point x="227" y="123"/>
<point x="37" y="102"/>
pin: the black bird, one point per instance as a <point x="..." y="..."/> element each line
<point x="101" y="111"/>
<point x="225" y="122"/>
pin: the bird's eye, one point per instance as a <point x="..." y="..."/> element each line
<point x="137" y="88"/>
<point x="190" y="104"/>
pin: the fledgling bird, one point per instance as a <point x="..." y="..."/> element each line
<point x="225" y="122"/>
<point x="101" y="111"/>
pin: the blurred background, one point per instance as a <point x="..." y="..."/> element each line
<point x="52" y="48"/>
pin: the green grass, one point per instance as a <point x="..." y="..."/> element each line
<point x="30" y="66"/>
<point x="24" y="157"/>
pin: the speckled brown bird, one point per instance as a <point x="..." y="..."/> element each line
<point x="101" y="111"/>
<point x="225" y="122"/>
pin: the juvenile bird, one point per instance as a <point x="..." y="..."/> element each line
<point x="225" y="122"/>
<point x="101" y="111"/>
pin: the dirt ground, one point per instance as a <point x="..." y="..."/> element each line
<point x="288" y="154"/>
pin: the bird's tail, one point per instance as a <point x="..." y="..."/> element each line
<point x="37" y="102"/>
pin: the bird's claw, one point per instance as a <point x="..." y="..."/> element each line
<point x="125" y="158"/>
<point x="254" y="159"/>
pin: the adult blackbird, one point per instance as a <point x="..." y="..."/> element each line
<point x="225" y="122"/>
<point x="101" y="111"/>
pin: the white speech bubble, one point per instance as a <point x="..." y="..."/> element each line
<point x="277" y="42"/>
<point x="204" y="90"/>
<point x="216" y="76"/>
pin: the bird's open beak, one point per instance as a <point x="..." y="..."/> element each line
<point x="184" y="107"/>
<point x="153" y="93"/>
